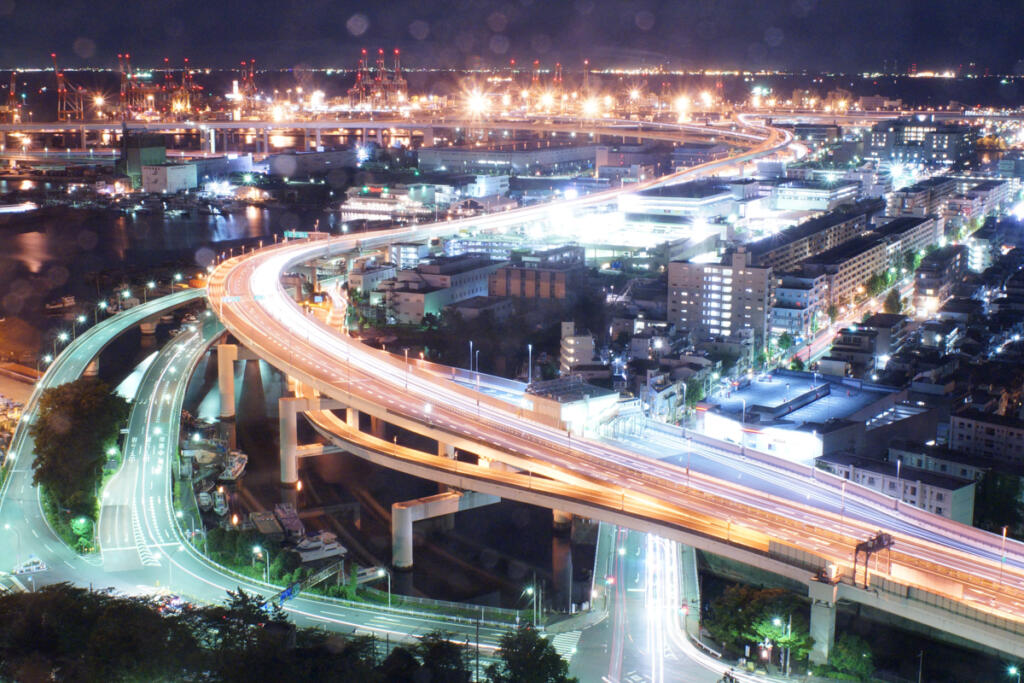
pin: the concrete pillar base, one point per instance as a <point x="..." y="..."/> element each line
<point x="405" y="513"/>
<point x="227" y="354"/>
<point x="823" y="620"/>
<point x="562" y="521"/>
<point x="92" y="369"/>
<point x="377" y="427"/>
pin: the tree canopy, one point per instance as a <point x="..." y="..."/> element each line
<point x="744" y="615"/>
<point x="527" y="657"/>
<point x="76" y="423"/>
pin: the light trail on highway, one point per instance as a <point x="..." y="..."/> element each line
<point x="247" y="294"/>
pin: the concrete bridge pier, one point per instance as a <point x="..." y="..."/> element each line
<point x="211" y="141"/>
<point x="148" y="326"/>
<point x="227" y="354"/>
<point x="428" y="137"/>
<point x="266" y="141"/>
<point x="352" y="418"/>
<point x="823" y="619"/>
<point x="93" y="368"/>
<point x="377" y="426"/>
<point x="562" y="521"/>
<point x="305" y="139"/>
<point x="289" y="408"/>
<point x="403" y="515"/>
<point x="319" y="144"/>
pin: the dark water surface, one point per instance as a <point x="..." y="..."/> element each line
<point x="55" y="252"/>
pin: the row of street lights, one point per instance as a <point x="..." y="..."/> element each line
<point x="101" y="306"/>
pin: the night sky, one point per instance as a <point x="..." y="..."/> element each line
<point x="790" y="34"/>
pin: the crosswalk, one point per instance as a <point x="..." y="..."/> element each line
<point x="565" y="644"/>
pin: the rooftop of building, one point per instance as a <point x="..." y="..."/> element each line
<point x="885" y="320"/>
<point x="819" y="184"/>
<point x="845" y="251"/>
<point x="940" y="452"/>
<point x="697" y="189"/>
<point x="567" y="390"/>
<point x="900" y="224"/>
<point x="988" y="185"/>
<point x="775" y="390"/>
<point x="807" y="228"/>
<point x="908" y="474"/>
<point x="926" y="184"/>
<point x="451" y="265"/>
<point x="481" y="303"/>
<point x="990" y="418"/>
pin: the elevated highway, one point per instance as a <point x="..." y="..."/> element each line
<point x="939" y="572"/>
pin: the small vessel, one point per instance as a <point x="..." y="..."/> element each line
<point x="61" y="304"/>
<point x="319" y="546"/>
<point x="205" y="501"/>
<point x="204" y="485"/>
<point x="234" y="466"/>
<point x="220" y="503"/>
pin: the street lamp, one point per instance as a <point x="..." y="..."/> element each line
<point x="101" y="306"/>
<point x="258" y="552"/>
<point x="471" y="355"/>
<point x="1014" y="671"/>
<point x="789" y="629"/>
<point x="382" y="572"/>
<point x="529" y="369"/>
<point x="145" y="293"/>
<point x="79" y="320"/>
<point x="533" y="597"/>
<point x="61" y="337"/>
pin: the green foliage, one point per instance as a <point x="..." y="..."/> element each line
<point x="797" y="364"/>
<point x="875" y="284"/>
<point x="694" y="392"/>
<point x="65" y="633"/>
<point x="445" y="660"/>
<point x="850" y="659"/>
<point x="785" y="341"/>
<point x="744" y="615"/>
<point x="833" y="313"/>
<point x="526" y="657"/>
<point x="779" y="631"/>
<point x="76" y="424"/>
<point x="997" y="503"/>
<point x="893" y="304"/>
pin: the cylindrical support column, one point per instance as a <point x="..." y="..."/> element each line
<point x="377" y="426"/>
<point x="428" y="137"/>
<point x="352" y="418"/>
<point x="445" y="451"/>
<point x="289" y="440"/>
<point x="227" y="354"/>
<point x="266" y="141"/>
<point x="319" y="144"/>
<point x="148" y="327"/>
<point x="211" y="141"/>
<point x="380" y="137"/>
<point x="401" y="537"/>
<point x="93" y="368"/>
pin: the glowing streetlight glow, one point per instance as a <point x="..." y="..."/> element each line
<point x="477" y="103"/>
<point x="590" y="107"/>
<point x="706" y="98"/>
